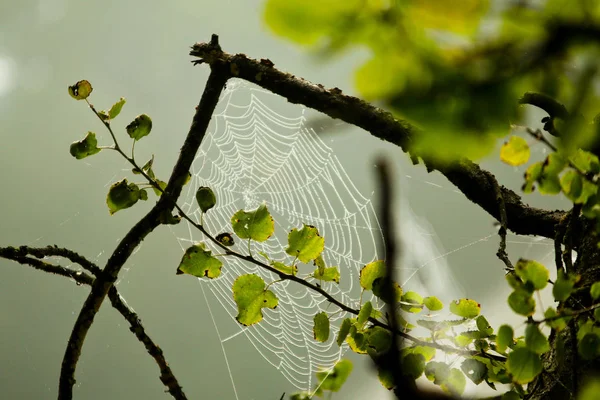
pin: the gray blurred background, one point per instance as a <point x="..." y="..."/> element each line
<point x="139" y="50"/>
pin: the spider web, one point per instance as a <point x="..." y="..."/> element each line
<point x="256" y="154"/>
<point x="261" y="150"/>
<point x="343" y="216"/>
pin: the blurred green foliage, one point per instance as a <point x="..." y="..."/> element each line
<point x="455" y="69"/>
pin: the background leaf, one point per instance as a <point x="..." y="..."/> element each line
<point x="251" y="297"/>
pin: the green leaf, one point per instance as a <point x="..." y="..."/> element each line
<point x="206" y="198"/>
<point x="549" y="182"/>
<point x="403" y="323"/>
<point x="425" y="351"/>
<point x="330" y="274"/>
<point x="303" y="21"/>
<point x="386" y="378"/>
<point x="463" y="340"/>
<point x="412" y="298"/>
<point x="564" y="285"/>
<point x="116" y="108"/>
<point x="588" y="346"/>
<point x="461" y="18"/>
<point x="522" y="302"/>
<point x="320" y="264"/>
<point x="514" y="281"/>
<point x="504" y="338"/>
<point x="198" y="261"/>
<point x="146" y="168"/>
<point x="88" y="146"/>
<point x="413" y="365"/>
<point x="103" y="114"/>
<point x="344" y="331"/>
<point x="256" y="225"/>
<point x="122" y="195"/>
<point x="572" y="185"/>
<point x="465" y="308"/>
<point x="595" y="290"/>
<point x="321" y="327"/>
<point x="533" y="272"/>
<point x="379" y="340"/>
<point x="370" y="272"/>
<point x="293" y="270"/>
<point x="585" y="161"/>
<point x="433" y="303"/>
<point x="535" y="340"/>
<point x="484" y="327"/>
<point x="306" y="244"/>
<point x="334" y="378"/>
<point x="515" y="152"/>
<point x="364" y="314"/>
<point x="588" y="191"/>
<point x="555" y="323"/>
<point x="251" y="297"/>
<point x="532" y="174"/>
<point x="455" y="383"/>
<point x="437" y="372"/>
<point x="139" y="127"/>
<point x="379" y="291"/>
<point x="524" y="365"/>
<point x="475" y="370"/>
<point x="81" y="90"/>
<point x="225" y="238"/>
<point x="356" y="341"/>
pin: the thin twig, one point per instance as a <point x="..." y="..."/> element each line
<point x="23" y="254"/>
<point x="560" y="234"/>
<point x="568" y="238"/>
<point x="501" y="253"/>
<point x="134" y="237"/>
<point x="570" y="313"/>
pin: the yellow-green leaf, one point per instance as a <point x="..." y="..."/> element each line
<point x="251" y="297"/>
<point x="465" y="308"/>
<point x="198" y="261"/>
<point x="433" y="303"/>
<point x="334" y="378"/>
<point x="515" y="152"/>
<point x="256" y="225"/>
<point x="523" y="364"/>
<point x="370" y="272"/>
<point x="116" y="108"/>
<point x="81" y="90"/>
<point x="330" y="274"/>
<point x="533" y="272"/>
<point x="278" y="265"/>
<point x="122" y="195"/>
<point x="321" y="327"/>
<point x="88" y="146"/>
<point x="206" y="198"/>
<point x="139" y="127"/>
<point x="306" y="244"/>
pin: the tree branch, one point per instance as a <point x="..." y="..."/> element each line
<point x="22" y="255"/>
<point x="467" y="176"/>
<point x="147" y="224"/>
